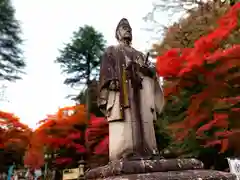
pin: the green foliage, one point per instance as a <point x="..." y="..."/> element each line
<point x="10" y="54"/>
<point x="82" y="98"/>
<point x="232" y="2"/>
<point x="80" y="58"/>
<point x="163" y="136"/>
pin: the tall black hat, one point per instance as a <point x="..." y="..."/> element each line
<point x="122" y="22"/>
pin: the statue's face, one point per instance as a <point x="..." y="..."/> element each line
<point x="125" y="32"/>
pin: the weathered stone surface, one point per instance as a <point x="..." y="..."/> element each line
<point x="118" y="168"/>
<point x="176" y="175"/>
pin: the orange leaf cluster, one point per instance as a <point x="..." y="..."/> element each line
<point x="13" y="133"/>
<point x="56" y="131"/>
<point x="213" y="68"/>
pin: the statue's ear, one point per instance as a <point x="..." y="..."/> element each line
<point x="118" y="35"/>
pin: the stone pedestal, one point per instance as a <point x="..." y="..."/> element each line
<point x="162" y="169"/>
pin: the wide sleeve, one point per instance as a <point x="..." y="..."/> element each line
<point x="107" y="74"/>
<point x="108" y="71"/>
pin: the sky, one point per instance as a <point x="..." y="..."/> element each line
<point x="46" y="26"/>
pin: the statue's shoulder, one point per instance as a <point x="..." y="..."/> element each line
<point x="139" y="53"/>
<point x="110" y="49"/>
<point x="109" y="53"/>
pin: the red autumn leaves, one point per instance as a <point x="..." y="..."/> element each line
<point x="215" y="70"/>
<point x="13" y="134"/>
<point x="176" y="62"/>
<point x="61" y="131"/>
<point x="55" y="132"/>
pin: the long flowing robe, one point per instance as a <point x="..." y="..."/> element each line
<point x="120" y="107"/>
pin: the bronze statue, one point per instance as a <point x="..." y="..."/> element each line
<point x="130" y="97"/>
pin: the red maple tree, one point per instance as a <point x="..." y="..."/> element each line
<point x="14" y="138"/>
<point x="56" y="132"/>
<point x="213" y="68"/>
<point x="13" y="131"/>
<point x="68" y="130"/>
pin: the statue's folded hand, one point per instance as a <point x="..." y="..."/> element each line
<point x="114" y="85"/>
<point x="147" y="71"/>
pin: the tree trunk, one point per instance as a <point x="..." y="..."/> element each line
<point x="88" y="97"/>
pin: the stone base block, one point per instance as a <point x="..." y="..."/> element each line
<point x="156" y="169"/>
<point x="126" y="167"/>
<point x="176" y="175"/>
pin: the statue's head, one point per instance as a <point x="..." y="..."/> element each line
<point x="124" y="31"/>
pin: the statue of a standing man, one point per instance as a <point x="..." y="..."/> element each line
<point x="130" y="96"/>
